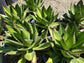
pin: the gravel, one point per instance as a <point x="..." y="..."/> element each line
<point x="59" y="6"/>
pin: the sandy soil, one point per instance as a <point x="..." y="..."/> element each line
<point x="59" y="6"/>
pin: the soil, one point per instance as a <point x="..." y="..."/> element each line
<point x="59" y="6"/>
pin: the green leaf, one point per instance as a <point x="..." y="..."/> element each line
<point x="39" y="39"/>
<point x="69" y="41"/>
<point x="54" y="24"/>
<point x="28" y="18"/>
<point x="15" y="33"/>
<point x="18" y="9"/>
<point x="50" y="60"/>
<point x="65" y="54"/>
<point x="25" y="13"/>
<point x="80" y="40"/>
<point x="55" y="17"/>
<point x="33" y="17"/>
<point x="44" y="34"/>
<point x="64" y="45"/>
<point x="5" y="49"/>
<point x="73" y="8"/>
<point x="23" y="49"/>
<point x="39" y="13"/>
<point x="42" y="46"/>
<point x="29" y="27"/>
<point x="36" y="43"/>
<point x="54" y="47"/>
<point x="34" y="60"/>
<point x="54" y="59"/>
<point x="27" y="43"/>
<point x="77" y="60"/>
<point x="22" y="60"/>
<point x="51" y="33"/>
<point x="12" y="52"/>
<point x="25" y="34"/>
<point x="42" y="21"/>
<point x="44" y="12"/>
<point x="14" y="11"/>
<point x="35" y="33"/>
<point x="61" y="30"/>
<point x="7" y="11"/>
<point x="56" y="35"/>
<point x="77" y="51"/>
<point x="49" y="12"/>
<point x="29" y="55"/>
<point x="14" y="42"/>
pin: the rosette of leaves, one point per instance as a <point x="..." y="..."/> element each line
<point x="75" y="16"/>
<point x="67" y="43"/>
<point x="33" y="4"/>
<point x="24" y="40"/>
<point x="15" y="14"/>
<point x="45" y="18"/>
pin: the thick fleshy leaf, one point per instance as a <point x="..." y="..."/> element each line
<point x="73" y="9"/>
<point x="25" y="13"/>
<point x="61" y="30"/>
<point x="35" y="33"/>
<point x="77" y="60"/>
<point x="65" y="54"/>
<point x="56" y="35"/>
<point x="29" y="55"/>
<point x="39" y="13"/>
<point x="22" y="60"/>
<point x="55" y="18"/>
<point x="44" y="12"/>
<point x="14" y="42"/>
<point x="54" y="24"/>
<point x="34" y="60"/>
<point x="69" y="41"/>
<point x="77" y="51"/>
<point x="80" y="40"/>
<point x="42" y="21"/>
<point x="49" y="12"/>
<point x="25" y="34"/>
<point x="28" y="27"/>
<point x="50" y="60"/>
<point x="15" y="33"/>
<point x="64" y="45"/>
<point x="7" y="11"/>
<point x="12" y="52"/>
<point x="14" y="11"/>
<point x="42" y="46"/>
<point x="5" y="49"/>
<point x="51" y="33"/>
<point x="28" y="18"/>
<point x="18" y="9"/>
<point x="27" y="43"/>
<point x="69" y="38"/>
<point x="39" y="39"/>
<point x="36" y="43"/>
<point x="44" y="34"/>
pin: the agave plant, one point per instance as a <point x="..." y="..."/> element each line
<point x="45" y="18"/>
<point x="75" y="16"/>
<point x="24" y="41"/>
<point x="24" y="38"/>
<point x="15" y="14"/>
<point x="33" y="4"/>
<point x="67" y="42"/>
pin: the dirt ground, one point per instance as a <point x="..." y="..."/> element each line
<point x="59" y="6"/>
